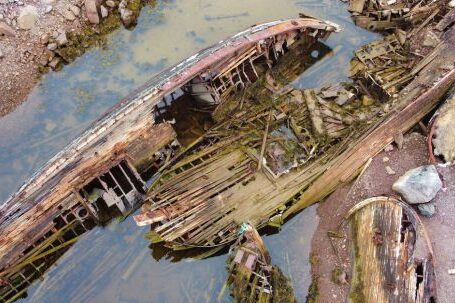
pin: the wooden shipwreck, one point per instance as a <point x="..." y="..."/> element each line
<point x="275" y="149"/>
<point x="101" y="173"/>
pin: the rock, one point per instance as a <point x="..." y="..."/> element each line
<point x="1" y="54"/>
<point x="110" y="3"/>
<point x="104" y="11"/>
<point x="54" y="63"/>
<point x="74" y="9"/>
<point x="388" y="148"/>
<point x="27" y="17"/>
<point x="431" y="39"/>
<point x="452" y="3"/>
<point x="92" y="8"/>
<point x="444" y="134"/>
<point x="44" y="39"/>
<point x="48" y="9"/>
<point x="61" y="39"/>
<point x="52" y="46"/>
<point x="127" y="17"/>
<point x="122" y="4"/>
<point x="418" y="185"/>
<point x="427" y="209"/>
<point x="68" y="15"/>
<point x="385" y="159"/>
<point x="7" y="30"/>
<point x="389" y="170"/>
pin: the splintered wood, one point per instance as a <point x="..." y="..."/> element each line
<point x="251" y="277"/>
<point x="392" y="256"/>
<point x="316" y="140"/>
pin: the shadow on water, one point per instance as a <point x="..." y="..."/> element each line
<point x="114" y="263"/>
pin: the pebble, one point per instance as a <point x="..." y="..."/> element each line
<point x="110" y="3"/>
<point x="452" y="3"/>
<point x="388" y="148"/>
<point x="44" y="39"/>
<point x="27" y="17"/>
<point x="48" y="9"/>
<point x="75" y="10"/>
<point x="104" y="11"/>
<point x="419" y="185"/>
<point x="62" y="39"/>
<point x="54" y="63"/>
<point x="68" y="15"/>
<point x="6" y="30"/>
<point x="389" y="170"/>
<point x="385" y="159"/>
<point x="91" y="7"/>
<point x="427" y="209"/>
<point x="1" y="54"/>
<point x="52" y="46"/>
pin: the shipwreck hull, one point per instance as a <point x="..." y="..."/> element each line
<point x="393" y="257"/>
<point x="100" y="174"/>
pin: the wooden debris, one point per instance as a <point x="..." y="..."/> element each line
<point x="393" y="258"/>
<point x="251" y="276"/>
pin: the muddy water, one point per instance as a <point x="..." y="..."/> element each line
<point x="114" y="263"/>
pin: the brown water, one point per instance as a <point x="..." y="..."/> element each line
<point x="114" y="263"/>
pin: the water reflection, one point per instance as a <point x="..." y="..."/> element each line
<point x="114" y="263"/>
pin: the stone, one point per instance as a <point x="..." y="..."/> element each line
<point x="44" y="39"/>
<point x="61" y="39"/>
<point x="1" y="54"/>
<point x="110" y="3"/>
<point x="54" y="63"/>
<point x="122" y="4"/>
<point x="74" y="9"/>
<point x="427" y="209"/>
<point x="68" y="15"/>
<point x="431" y="39"/>
<point x="27" y="17"/>
<point x="452" y="3"/>
<point x="127" y="17"/>
<point x="104" y="11"/>
<point x="385" y="159"/>
<point x="92" y="8"/>
<point x="48" y="9"/>
<point x="388" y="148"/>
<point x="389" y="170"/>
<point x="7" y="30"/>
<point x="419" y="185"/>
<point x="52" y="46"/>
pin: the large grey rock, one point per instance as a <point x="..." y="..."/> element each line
<point x="92" y="8"/>
<point x="427" y="209"/>
<point x="418" y="185"/>
<point x="27" y="17"/>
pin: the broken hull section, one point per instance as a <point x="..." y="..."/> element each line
<point x="101" y="174"/>
<point x="393" y="258"/>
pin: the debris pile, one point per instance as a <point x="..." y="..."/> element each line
<point x="251" y="276"/>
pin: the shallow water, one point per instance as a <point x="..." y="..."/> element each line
<point x="114" y="263"/>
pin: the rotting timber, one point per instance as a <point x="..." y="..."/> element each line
<point x="251" y="276"/>
<point x="393" y="257"/>
<point x="275" y="149"/>
<point x="101" y="173"/>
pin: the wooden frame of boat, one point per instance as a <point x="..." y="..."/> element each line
<point x="104" y="164"/>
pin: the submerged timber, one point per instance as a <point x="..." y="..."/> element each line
<point x="101" y="174"/>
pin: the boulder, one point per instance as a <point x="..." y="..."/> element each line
<point x="6" y="30"/>
<point x="27" y="17"/>
<point x="419" y="185"/>
<point x="427" y="209"/>
<point x="92" y="8"/>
